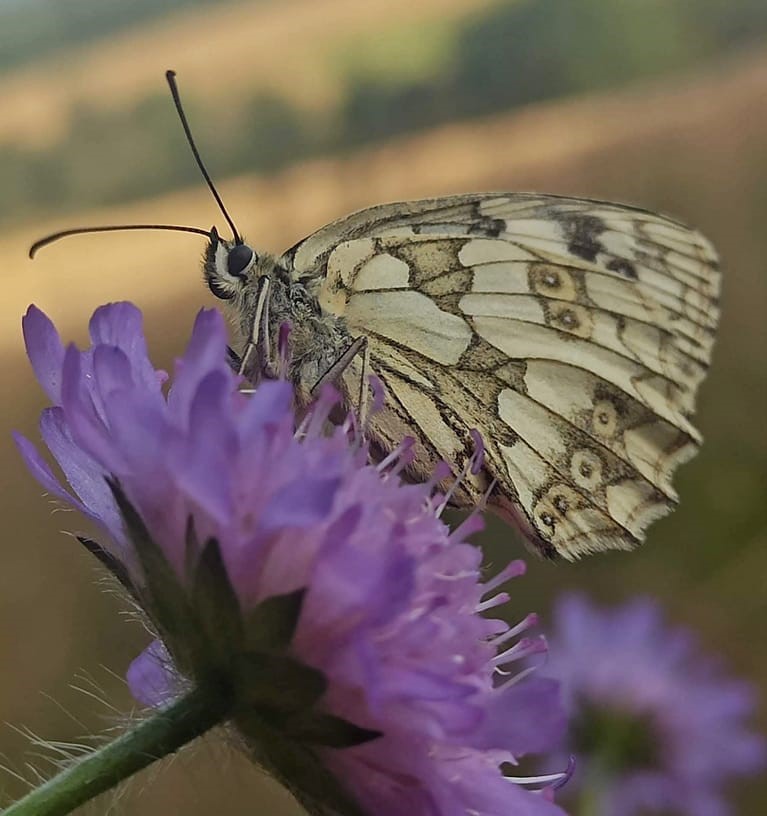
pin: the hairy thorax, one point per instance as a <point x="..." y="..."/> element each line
<point x="316" y="340"/>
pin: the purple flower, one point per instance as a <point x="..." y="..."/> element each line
<point x="656" y="726"/>
<point x="282" y="567"/>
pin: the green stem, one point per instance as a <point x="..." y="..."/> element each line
<point x="592" y="788"/>
<point x="161" y="734"/>
<point x="588" y="802"/>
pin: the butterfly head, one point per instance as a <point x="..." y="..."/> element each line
<point x="228" y="265"/>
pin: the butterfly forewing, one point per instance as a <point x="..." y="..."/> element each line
<point x="573" y="334"/>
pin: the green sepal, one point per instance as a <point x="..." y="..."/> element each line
<point x="216" y="608"/>
<point x="297" y="767"/>
<point x="115" y="567"/>
<point x="271" y="625"/>
<point x="243" y="661"/>
<point x="162" y="596"/>
<point x="277" y="686"/>
<point x="325" y="730"/>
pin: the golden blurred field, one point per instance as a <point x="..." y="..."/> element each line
<point x="273" y="43"/>
<point x="692" y="144"/>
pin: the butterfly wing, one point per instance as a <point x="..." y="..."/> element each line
<point x="573" y="334"/>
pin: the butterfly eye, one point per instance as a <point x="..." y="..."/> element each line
<point x="241" y="257"/>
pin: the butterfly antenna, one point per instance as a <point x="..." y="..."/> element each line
<point x="171" y="77"/>
<point x="49" y="239"/>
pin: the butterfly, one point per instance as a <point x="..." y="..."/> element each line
<point x="571" y="334"/>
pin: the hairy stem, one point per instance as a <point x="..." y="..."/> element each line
<point x="161" y="734"/>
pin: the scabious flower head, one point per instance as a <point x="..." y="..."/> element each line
<point x="279" y="564"/>
<point x="657" y="726"/>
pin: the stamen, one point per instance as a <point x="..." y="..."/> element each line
<point x="470" y="525"/>
<point x="550" y="782"/>
<point x="534" y="780"/>
<point x="397" y="454"/>
<point x="558" y="779"/>
<point x="313" y="423"/>
<point x="379" y="395"/>
<point x="441" y="472"/>
<point x="473" y="466"/>
<point x="567" y="774"/>
<point x="524" y="648"/>
<point x="407" y="458"/>
<point x="513" y="679"/>
<point x="350" y="428"/>
<point x="451" y="490"/>
<point x="525" y="624"/>
<point x="456" y="576"/>
<point x="477" y="459"/>
<point x="486" y="495"/>
<point x="497" y="600"/>
<point x="513" y="570"/>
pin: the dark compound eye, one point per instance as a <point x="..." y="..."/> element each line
<point x="239" y="259"/>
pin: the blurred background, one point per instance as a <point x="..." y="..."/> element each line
<point x="306" y="110"/>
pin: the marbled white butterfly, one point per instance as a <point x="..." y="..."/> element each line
<point x="571" y="333"/>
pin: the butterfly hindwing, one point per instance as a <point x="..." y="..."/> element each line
<point x="572" y="334"/>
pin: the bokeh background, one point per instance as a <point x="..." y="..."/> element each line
<point x="307" y="110"/>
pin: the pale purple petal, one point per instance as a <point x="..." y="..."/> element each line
<point x="120" y="325"/>
<point x="150" y="676"/>
<point x="205" y="353"/>
<point x="523" y="718"/>
<point x="82" y="472"/>
<point x="45" y="351"/>
<point x="301" y="503"/>
<point x="40" y="470"/>
<point x="272" y="403"/>
<point x="203" y="470"/>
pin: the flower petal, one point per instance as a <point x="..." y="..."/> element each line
<point x="121" y="325"/>
<point x="84" y="474"/>
<point x="45" y="351"/>
<point x="151" y="678"/>
<point x="301" y="503"/>
<point x="205" y="353"/>
<point x="40" y="470"/>
<point x="523" y="718"/>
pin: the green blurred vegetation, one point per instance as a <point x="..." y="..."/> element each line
<point x="533" y="50"/>
<point x="113" y="156"/>
<point x="403" y="53"/>
<point x="401" y="80"/>
<point x="34" y="26"/>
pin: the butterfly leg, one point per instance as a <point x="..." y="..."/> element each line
<point x="364" y="393"/>
<point x="256" y="359"/>
<point x="335" y="372"/>
<point x="233" y="358"/>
